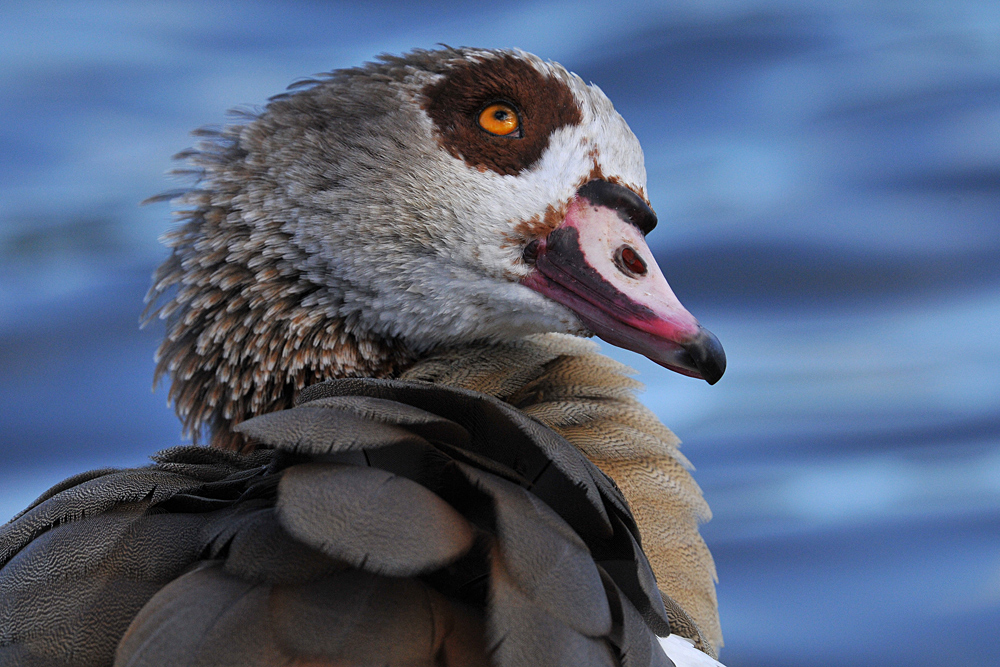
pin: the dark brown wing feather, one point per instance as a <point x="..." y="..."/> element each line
<point x="384" y="523"/>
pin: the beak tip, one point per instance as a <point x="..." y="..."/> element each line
<point x="708" y="355"/>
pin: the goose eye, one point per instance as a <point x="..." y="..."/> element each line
<point x="629" y="262"/>
<point x="500" y="119"/>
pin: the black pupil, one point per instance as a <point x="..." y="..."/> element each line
<point x="500" y="115"/>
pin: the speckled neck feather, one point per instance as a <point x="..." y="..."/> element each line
<point x="243" y="335"/>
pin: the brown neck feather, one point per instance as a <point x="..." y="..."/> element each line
<point x="245" y="336"/>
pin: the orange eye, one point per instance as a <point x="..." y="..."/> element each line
<point x="499" y="118"/>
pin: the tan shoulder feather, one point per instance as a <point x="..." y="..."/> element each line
<point x="566" y="384"/>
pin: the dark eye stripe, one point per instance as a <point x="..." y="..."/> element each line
<point x="455" y="102"/>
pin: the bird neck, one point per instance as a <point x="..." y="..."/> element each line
<point x="245" y="334"/>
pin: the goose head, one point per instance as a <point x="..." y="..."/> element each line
<point x="439" y="199"/>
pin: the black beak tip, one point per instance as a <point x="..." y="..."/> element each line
<point x="708" y="356"/>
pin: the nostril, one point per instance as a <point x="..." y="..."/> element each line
<point x="630" y="262"/>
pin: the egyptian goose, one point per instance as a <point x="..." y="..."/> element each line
<point x="375" y="308"/>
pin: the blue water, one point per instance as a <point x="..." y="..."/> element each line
<point x="827" y="176"/>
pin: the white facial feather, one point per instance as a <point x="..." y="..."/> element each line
<point x="464" y="287"/>
<point x="411" y="242"/>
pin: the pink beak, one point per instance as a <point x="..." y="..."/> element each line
<point x="597" y="264"/>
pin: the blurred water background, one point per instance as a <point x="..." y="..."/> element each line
<point x="827" y="176"/>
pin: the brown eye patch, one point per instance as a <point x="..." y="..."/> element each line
<point x="456" y="102"/>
